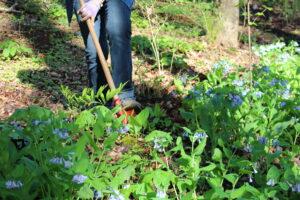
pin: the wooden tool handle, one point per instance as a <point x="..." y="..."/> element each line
<point x="99" y="51"/>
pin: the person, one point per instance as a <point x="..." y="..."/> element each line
<point x="113" y="27"/>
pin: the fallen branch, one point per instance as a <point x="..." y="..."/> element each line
<point x="11" y="9"/>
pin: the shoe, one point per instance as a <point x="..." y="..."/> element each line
<point x="128" y="101"/>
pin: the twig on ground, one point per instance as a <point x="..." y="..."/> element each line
<point x="11" y="9"/>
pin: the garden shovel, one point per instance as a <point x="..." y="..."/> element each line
<point x="116" y="99"/>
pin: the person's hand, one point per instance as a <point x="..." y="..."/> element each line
<point x="90" y="9"/>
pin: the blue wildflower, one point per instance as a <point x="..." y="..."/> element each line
<point x="79" y="179"/>
<point x="284" y="57"/>
<point x="125" y="129"/>
<point x="36" y="122"/>
<point x="161" y="194"/>
<point x="127" y="186"/>
<point x="262" y="140"/>
<point x="183" y="79"/>
<point x="61" y="132"/>
<point x="297" y="108"/>
<point x="273" y="82"/>
<point x="97" y="194"/>
<point x="197" y="92"/>
<point x="284" y="83"/>
<point x="199" y="136"/>
<point x="236" y="100"/>
<point x="13" y="184"/>
<point x="47" y="122"/>
<point x="271" y="182"/>
<point x="255" y="84"/>
<point x="185" y="134"/>
<point x="57" y="160"/>
<point x="208" y="92"/>
<point x="282" y="104"/>
<point x="275" y="142"/>
<point x="238" y="83"/>
<point x="278" y="149"/>
<point x="158" y="144"/>
<point x="250" y="178"/>
<point x="266" y="69"/>
<point x="248" y="148"/>
<point x="245" y="92"/>
<point x="258" y="94"/>
<point x="68" y="164"/>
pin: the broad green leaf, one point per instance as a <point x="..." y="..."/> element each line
<point x="217" y="155"/>
<point x="232" y="178"/>
<point x="199" y="149"/>
<point x="238" y="193"/>
<point x="273" y="173"/>
<point x="208" y="168"/>
<point x="85" y="192"/>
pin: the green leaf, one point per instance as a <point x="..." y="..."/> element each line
<point x="217" y="155"/>
<point x="5" y="53"/>
<point x="85" y="119"/>
<point x="232" y="178"/>
<point x="110" y="141"/>
<point x="238" y="193"/>
<point x="85" y="192"/>
<point x="13" y="51"/>
<point x="199" y="149"/>
<point x="273" y="173"/>
<point x="208" y="168"/>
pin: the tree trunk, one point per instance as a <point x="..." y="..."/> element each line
<point x="229" y="18"/>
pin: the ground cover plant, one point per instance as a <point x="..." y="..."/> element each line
<point x="223" y="132"/>
<point x="238" y="142"/>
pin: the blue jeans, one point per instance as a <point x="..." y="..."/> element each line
<point x="113" y="27"/>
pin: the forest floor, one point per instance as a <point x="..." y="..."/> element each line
<point x="58" y="59"/>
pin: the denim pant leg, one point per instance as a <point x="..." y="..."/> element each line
<point x="118" y="29"/>
<point x="112" y="23"/>
<point x="96" y="75"/>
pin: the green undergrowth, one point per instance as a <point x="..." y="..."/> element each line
<point x="239" y="140"/>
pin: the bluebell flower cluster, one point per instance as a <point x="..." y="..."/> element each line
<point x="271" y="182"/>
<point x="37" y="122"/>
<point x="262" y="140"/>
<point x="238" y="83"/>
<point x="258" y="94"/>
<point x="248" y="148"/>
<point x="236" y="100"/>
<point x="183" y="79"/>
<point x="222" y="64"/>
<point x="79" y="179"/>
<point x="295" y="188"/>
<point x="284" y="57"/>
<point x="282" y="104"/>
<point x="17" y="125"/>
<point x="125" y="129"/>
<point x="245" y="92"/>
<point x="263" y="50"/>
<point x="266" y="69"/>
<point x="209" y="92"/>
<point x="158" y="144"/>
<point x="61" y="132"/>
<point x="62" y="161"/>
<point x="13" y="184"/>
<point x="161" y="194"/>
<point x="199" y="136"/>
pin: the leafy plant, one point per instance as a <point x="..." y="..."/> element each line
<point x="11" y="49"/>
